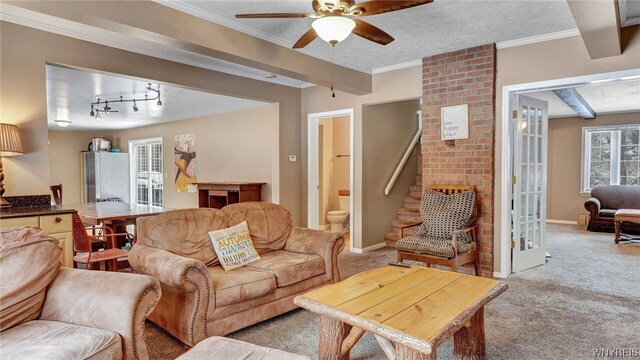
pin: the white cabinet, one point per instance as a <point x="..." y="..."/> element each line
<point x="57" y="225"/>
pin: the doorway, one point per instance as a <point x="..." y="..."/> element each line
<point x="505" y="195"/>
<point x="324" y="162"/>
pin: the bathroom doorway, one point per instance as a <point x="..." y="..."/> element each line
<point x="331" y="171"/>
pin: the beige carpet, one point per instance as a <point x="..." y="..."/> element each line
<point x="587" y="296"/>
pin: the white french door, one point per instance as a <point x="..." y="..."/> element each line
<point x="147" y="183"/>
<point x="529" y="238"/>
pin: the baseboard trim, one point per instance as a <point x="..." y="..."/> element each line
<point x="499" y="275"/>
<point x="563" y="222"/>
<point x="369" y="248"/>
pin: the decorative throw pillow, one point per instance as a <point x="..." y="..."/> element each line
<point x="233" y="246"/>
<point x="442" y="214"/>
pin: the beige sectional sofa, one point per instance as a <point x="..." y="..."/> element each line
<point x="200" y="299"/>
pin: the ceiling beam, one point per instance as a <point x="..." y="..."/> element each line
<point x="575" y="101"/>
<point x="599" y="25"/>
<point x="171" y="30"/>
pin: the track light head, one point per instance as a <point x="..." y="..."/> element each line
<point x="159" y="103"/>
<point x="98" y="117"/>
<point x="135" y="107"/>
<point x="92" y="113"/>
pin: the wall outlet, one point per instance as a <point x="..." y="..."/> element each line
<point x="293" y="158"/>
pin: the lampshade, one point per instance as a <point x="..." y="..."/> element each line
<point x="333" y="29"/>
<point x="10" y="144"/>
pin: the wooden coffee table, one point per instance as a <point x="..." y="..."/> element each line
<point x="410" y="311"/>
<point x="624" y="215"/>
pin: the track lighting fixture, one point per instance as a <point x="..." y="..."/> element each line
<point x="106" y="109"/>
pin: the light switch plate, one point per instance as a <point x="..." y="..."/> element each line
<point x="293" y="158"/>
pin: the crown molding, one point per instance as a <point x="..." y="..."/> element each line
<point x="399" y="66"/>
<point x="70" y="29"/>
<point x="537" y="39"/>
<point x="184" y="7"/>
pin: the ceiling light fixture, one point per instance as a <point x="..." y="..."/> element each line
<point x="95" y="112"/>
<point x="333" y="29"/>
<point x="62" y="123"/>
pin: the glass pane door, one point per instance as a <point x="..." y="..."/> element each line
<point x="529" y="221"/>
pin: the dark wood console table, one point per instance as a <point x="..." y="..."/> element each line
<point x="218" y="194"/>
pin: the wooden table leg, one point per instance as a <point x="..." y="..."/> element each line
<point x="406" y="353"/>
<point x="616" y="225"/>
<point x="469" y="341"/>
<point x="332" y="334"/>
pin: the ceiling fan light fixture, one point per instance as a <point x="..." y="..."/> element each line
<point x="333" y="29"/>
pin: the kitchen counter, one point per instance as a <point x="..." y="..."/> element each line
<point x="53" y="219"/>
<point x="41" y="210"/>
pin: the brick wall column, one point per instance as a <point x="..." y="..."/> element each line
<point x="463" y="77"/>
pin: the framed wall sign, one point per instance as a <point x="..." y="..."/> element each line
<point x="455" y="122"/>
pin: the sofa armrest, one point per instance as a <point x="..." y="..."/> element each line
<point x="326" y="244"/>
<point x="593" y="207"/>
<point x="188" y="295"/>
<point x="112" y="301"/>
<point x="174" y="270"/>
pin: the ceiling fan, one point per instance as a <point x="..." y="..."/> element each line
<point x="336" y="19"/>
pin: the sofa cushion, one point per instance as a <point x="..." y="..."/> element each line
<point x="233" y="246"/>
<point x="184" y="232"/>
<point x="269" y="224"/>
<point x="617" y="196"/>
<point x="240" y="284"/>
<point x="22" y="292"/>
<point x="289" y="267"/>
<point x="52" y="340"/>
<point x="444" y="213"/>
<point x="607" y="213"/>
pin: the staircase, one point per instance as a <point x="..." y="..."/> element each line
<point x="409" y="213"/>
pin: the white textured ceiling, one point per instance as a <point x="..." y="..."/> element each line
<point x="70" y="93"/>
<point x="442" y="26"/>
<point x="606" y="98"/>
<point x="629" y="12"/>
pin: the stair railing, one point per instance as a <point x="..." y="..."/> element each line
<point x="406" y="155"/>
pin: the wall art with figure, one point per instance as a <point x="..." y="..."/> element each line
<point x="185" y="162"/>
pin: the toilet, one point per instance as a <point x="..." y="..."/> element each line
<point x="339" y="217"/>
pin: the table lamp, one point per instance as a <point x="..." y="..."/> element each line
<point x="10" y="145"/>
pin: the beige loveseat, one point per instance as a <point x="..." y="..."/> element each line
<point x="199" y="299"/>
<point x="49" y="312"/>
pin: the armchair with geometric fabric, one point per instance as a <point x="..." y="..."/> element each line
<point x="447" y="232"/>
<point x="85" y="245"/>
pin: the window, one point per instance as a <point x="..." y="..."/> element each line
<point x="146" y="171"/>
<point x="611" y="156"/>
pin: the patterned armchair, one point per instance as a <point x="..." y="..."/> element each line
<point x="447" y="233"/>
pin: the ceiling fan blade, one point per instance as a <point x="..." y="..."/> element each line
<point x="380" y="7"/>
<point x="276" y="16"/>
<point x="307" y="38"/>
<point x="372" y="33"/>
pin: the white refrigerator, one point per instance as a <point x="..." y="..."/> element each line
<point x="105" y="176"/>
